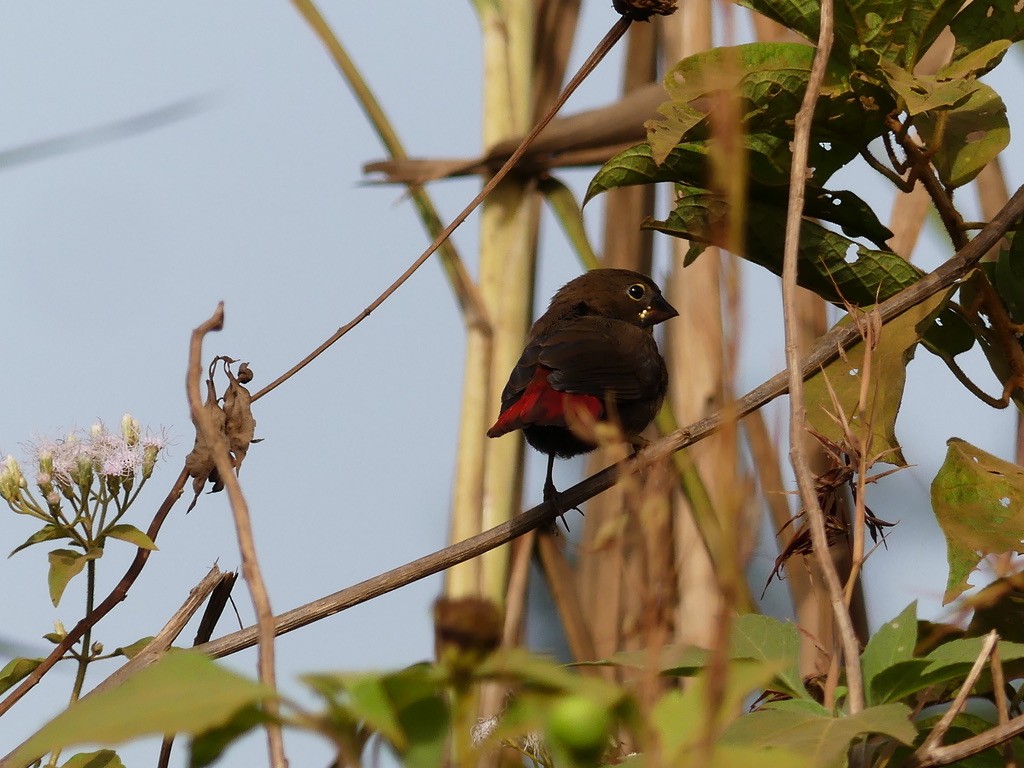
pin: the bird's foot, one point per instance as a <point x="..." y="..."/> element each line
<point x="552" y="495"/>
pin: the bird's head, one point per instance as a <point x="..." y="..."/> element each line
<point x="616" y="293"/>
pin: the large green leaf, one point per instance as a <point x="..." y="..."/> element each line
<point x="983" y="21"/>
<point x="681" y="717"/>
<point x="688" y="164"/>
<point x="182" y="693"/>
<point x="769" y="80"/>
<point x="900" y="30"/>
<point x="209" y="745"/>
<point x="966" y="137"/>
<point x="892" y="643"/>
<point x="765" y="639"/>
<point x="833" y="266"/>
<point x="823" y="739"/>
<point x="407" y="708"/>
<point x="978" y="501"/>
<point x="834" y="393"/>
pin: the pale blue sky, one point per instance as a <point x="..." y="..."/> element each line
<point x="114" y="252"/>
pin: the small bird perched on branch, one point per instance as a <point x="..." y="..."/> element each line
<point x="590" y="357"/>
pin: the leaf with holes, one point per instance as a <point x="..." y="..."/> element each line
<point x="689" y="164"/>
<point x="769" y="80"/>
<point x="893" y="643"/>
<point x="967" y="137"/>
<point x="978" y="501"/>
<point x="833" y="266"/>
<point x="875" y="429"/>
<point x="983" y="21"/>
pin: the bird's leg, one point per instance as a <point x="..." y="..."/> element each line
<point x="552" y="495"/>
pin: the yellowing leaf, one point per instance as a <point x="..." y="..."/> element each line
<point x="978" y="500"/>
<point x="889" y="358"/>
<point x="65" y="564"/>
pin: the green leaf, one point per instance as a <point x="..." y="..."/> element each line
<point x="407" y="708"/>
<point x="65" y="564"/>
<point x="801" y="16"/>
<point x="688" y="164"/>
<point x="892" y="643"/>
<point x="833" y="266"/>
<point x="999" y="606"/>
<point x="965" y="650"/>
<point x="902" y="679"/>
<point x="207" y="746"/>
<point x="680" y="717"/>
<point x="182" y="693"/>
<point x="17" y="670"/>
<point x="978" y="501"/>
<point x="132" y="535"/>
<point x="898" y="30"/>
<point x="822" y="739"/>
<point x="766" y="639"/>
<point x="769" y="79"/>
<point x="1008" y="275"/>
<point x="843" y="378"/>
<point x="924" y="93"/>
<point x="981" y="22"/>
<point x="730" y="756"/>
<point x="132" y="650"/>
<point x="104" y="758"/>
<point x="48" y="532"/>
<point x="972" y="134"/>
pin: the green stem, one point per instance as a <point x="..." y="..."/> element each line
<point x="82" y="657"/>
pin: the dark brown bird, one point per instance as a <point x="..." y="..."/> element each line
<point x="593" y="352"/>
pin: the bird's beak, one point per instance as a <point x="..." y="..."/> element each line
<point x="659" y="311"/>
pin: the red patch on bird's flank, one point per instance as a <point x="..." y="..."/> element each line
<point x="542" y="406"/>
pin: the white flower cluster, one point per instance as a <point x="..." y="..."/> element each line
<point x="78" y="458"/>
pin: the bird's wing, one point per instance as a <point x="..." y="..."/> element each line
<point x="600" y="357"/>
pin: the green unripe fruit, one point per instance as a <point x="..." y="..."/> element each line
<point x="580" y="725"/>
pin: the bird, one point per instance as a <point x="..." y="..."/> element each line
<point x="590" y="356"/>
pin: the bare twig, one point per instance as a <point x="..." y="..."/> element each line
<point x="600" y="51"/>
<point x="798" y="414"/>
<point x="825" y="351"/>
<point x="215" y="437"/>
<point x="923" y="754"/>
<point x="117" y="594"/>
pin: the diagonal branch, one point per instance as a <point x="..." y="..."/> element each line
<point x="600" y="51"/>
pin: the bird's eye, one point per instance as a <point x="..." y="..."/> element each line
<point x="637" y="291"/>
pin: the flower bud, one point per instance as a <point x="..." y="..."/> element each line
<point x="11" y="479"/>
<point x="96" y="648"/>
<point x="45" y="463"/>
<point x="149" y="455"/>
<point x="130" y="429"/>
